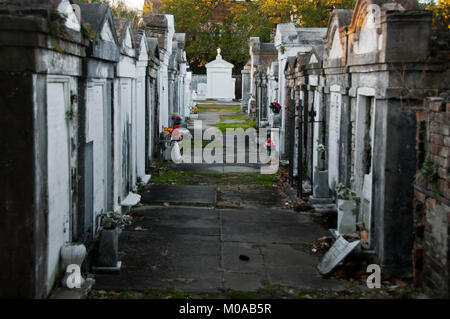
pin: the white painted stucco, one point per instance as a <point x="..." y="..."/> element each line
<point x="334" y="136"/>
<point x="141" y="70"/>
<point x="220" y="82"/>
<point x="58" y="178"/>
<point x="96" y="132"/>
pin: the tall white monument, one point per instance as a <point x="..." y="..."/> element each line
<point x="220" y="82"/>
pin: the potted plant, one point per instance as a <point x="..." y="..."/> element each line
<point x="347" y="203"/>
<point x="111" y="225"/>
<point x="275" y="107"/>
<point x="195" y="111"/>
<point x="176" y="119"/>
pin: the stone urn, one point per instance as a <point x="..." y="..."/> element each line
<point x="320" y="184"/>
<point x="346" y="221"/>
<point x="108" y="248"/>
<point x="72" y="254"/>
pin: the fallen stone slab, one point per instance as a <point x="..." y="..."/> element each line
<point x="180" y="195"/>
<point x="337" y="253"/>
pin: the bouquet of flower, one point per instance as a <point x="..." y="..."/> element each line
<point x="195" y="110"/>
<point x="344" y="192"/>
<point x="176" y="119"/>
<point x="269" y="144"/>
<point x="275" y="107"/>
<point x="168" y="130"/>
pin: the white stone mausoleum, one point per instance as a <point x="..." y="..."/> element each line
<point x="220" y="82"/>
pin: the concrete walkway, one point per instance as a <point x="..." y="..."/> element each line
<point x="204" y="249"/>
<point x="183" y="239"/>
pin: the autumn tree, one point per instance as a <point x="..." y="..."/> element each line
<point x="304" y="13"/>
<point x="206" y="28"/>
<point x="441" y="13"/>
<point x="210" y="24"/>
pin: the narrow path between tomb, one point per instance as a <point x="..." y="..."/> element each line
<point x="219" y="231"/>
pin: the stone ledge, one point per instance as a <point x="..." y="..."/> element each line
<point x="80" y="293"/>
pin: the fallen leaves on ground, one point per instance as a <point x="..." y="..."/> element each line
<point x="323" y="243"/>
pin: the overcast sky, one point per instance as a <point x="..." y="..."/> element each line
<point x="136" y="4"/>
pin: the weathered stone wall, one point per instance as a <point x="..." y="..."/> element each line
<point x="431" y="252"/>
<point x="82" y="109"/>
<point x="40" y="68"/>
<point x="371" y="88"/>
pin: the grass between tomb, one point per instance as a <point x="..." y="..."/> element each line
<point x="247" y="180"/>
<point x="218" y="108"/>
<point x="233" y="117"/>
<point x="246" y="125"/>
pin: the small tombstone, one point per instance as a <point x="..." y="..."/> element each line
<point x="337" y="253"/>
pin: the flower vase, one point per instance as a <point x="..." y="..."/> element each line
<point x="277" y="119"/>
<point x="72" y="254"/>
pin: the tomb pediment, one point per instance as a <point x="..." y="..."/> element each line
<point x="335" y="37"/>
<point x="366" y="39"/>
<point x="143" y="50"/>
<point x="123" y="31"/>
<point x="99" y="17"/>
<point x="127" y="41"/>
<point x="98" y="21"/>
<point x="106" y="33"/>
<point x="365" y="28"/>
<point x="336" y="47"/>
<point x="66" y="9"/>
<point x="219" y="63"/>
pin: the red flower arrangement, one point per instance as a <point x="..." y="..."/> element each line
<point x="275" y="107"/>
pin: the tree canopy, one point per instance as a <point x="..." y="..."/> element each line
<point x="441" y="13"/>
<point x="227" y="24"/>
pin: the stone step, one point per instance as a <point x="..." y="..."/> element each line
<point x="320" y="201"/>
<point x="325" y="208"/>
<point x="180" y="195"/>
